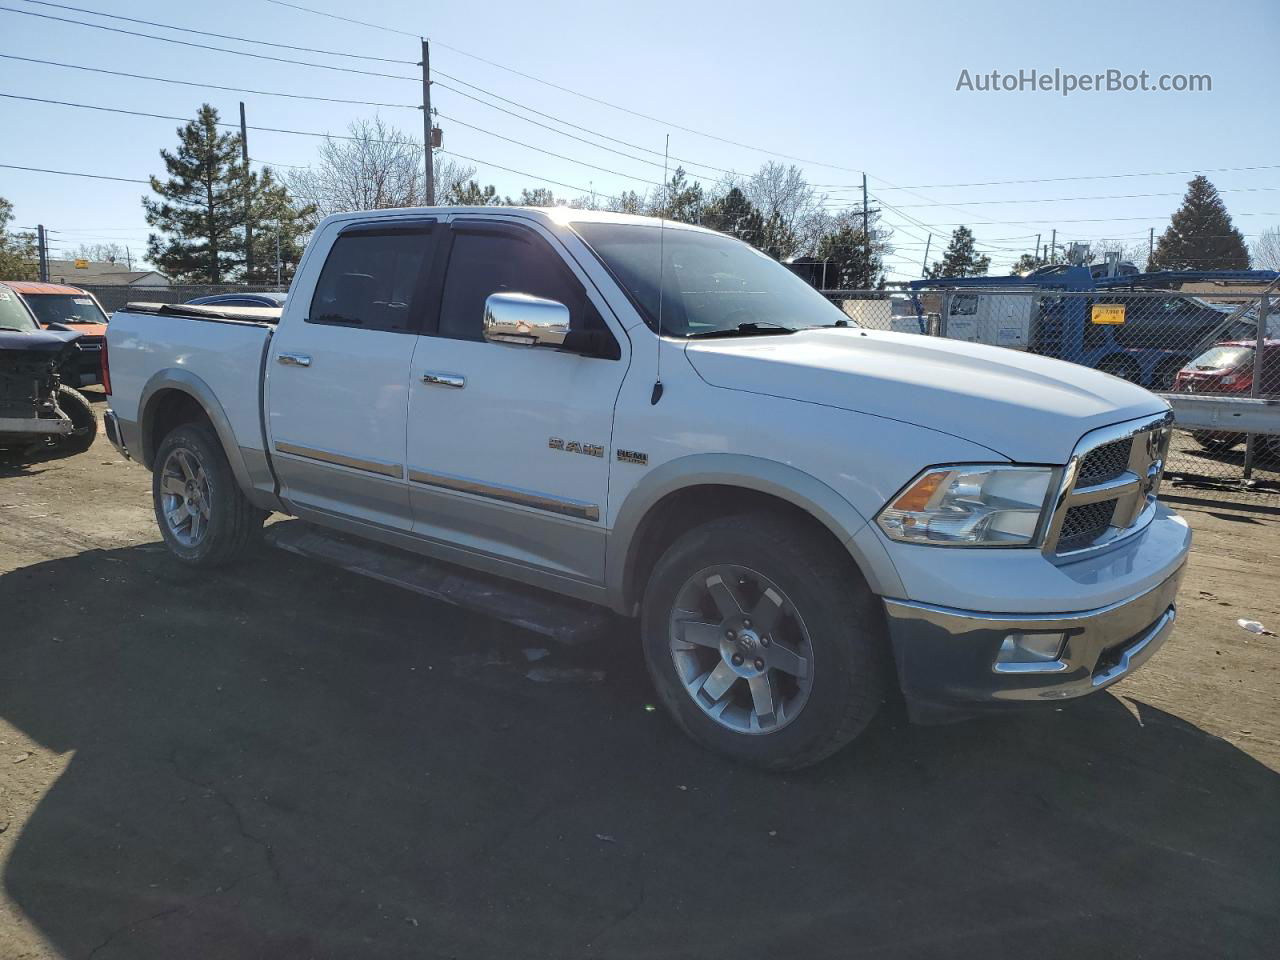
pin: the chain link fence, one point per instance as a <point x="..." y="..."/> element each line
<point x="1197" y="348"/>
<point x="113" y="297"/>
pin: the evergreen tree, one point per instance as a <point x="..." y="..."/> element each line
<point x="537" y="197"/>
<point x="276" y="214"/>
<point x="960" y="259"/>
<point x="19" y="258"/>
<point x="200" y="210"/>
<point x="680" y="200"/>
<point x="1201" y="235"/>
<point x="854" y="264"/>
<point x="1026" y="263"/>
<point x="471" y="194"/>
<point x="735" y="215"/>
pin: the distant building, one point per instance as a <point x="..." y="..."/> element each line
<point x="104" y="273"/>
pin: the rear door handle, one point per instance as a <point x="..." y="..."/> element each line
<point x="294" y="359"/>
<point x="444" y="379"/>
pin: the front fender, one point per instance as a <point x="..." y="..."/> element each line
<point x="764" y="476"/>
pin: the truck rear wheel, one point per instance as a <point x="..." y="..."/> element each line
<point x="765" y="644"/>
<point x="203" y="516"/>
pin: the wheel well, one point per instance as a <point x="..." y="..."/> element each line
<point x="167" y="410"/>
<point x="683" y="509"/>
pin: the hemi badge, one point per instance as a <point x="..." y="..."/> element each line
<point x="633" y="456"/>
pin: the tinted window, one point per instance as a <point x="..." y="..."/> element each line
<point x="371" y="280"/>
<point x="484" y="262"/>
<point x="65" y="308"/>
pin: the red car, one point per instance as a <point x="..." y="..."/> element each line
<point x="1227" y="369"/>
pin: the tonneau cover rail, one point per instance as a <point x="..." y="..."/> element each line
<point x="197" y="311"/>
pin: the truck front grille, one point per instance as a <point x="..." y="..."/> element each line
<point x="1084" y="524"/>
<point x="1109" y="486"/>
<point x="1105" y="462"/>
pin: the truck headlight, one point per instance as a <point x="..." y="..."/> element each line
<point x="970" y="506"/>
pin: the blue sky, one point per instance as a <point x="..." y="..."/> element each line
<point x="846" y="86"/>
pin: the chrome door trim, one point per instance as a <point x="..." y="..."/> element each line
<point x="395" y="470"/>
<point x="294" y="359"/>
<point x="491" y="491"/>
<point x="436" y="379"/>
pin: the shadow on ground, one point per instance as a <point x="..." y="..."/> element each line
<point x="287" y="762"/>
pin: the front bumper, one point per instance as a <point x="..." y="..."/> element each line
<point x="947" y="658"/>
<point x="35" y="426"/>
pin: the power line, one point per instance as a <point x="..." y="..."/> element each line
<point x="314" y="133"/>
<point x="1114" y="196"/>
<point x="220" y="36"/>
<point x="209" y="86"/>
<point x="68" y="173"/>
<point x="576" y="93"/>
<point x="1096" y="176"/>
<point x="205" y="46"/>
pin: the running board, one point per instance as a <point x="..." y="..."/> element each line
<point x="558" y="618"/>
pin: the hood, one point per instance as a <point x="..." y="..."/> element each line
<point x="1028" y="408"/>
<point x="36" y="341"/>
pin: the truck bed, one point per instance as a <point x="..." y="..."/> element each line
<point x="195" y="311"/>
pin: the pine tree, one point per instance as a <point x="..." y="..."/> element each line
<point x="471" y="194"/>
<point x="735" y="215"/>
<point x="200" y="210"/>
<point x="276" y="214"/>
<point x="857" y="265"/>
<point x="960" y="259"/>
<point x="1201" y="235"/>
<point x="680" y="199"/>
<point x="1026" y="263"/>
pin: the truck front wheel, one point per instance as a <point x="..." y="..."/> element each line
<point x="203" y="516"/>
<point x="764" y="642"/>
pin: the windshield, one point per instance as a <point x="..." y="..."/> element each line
<point x="13" y="315"/>
<point x="65" y="308"/>
<point x="1223" y="358"/>
<point x="710" y="283"/>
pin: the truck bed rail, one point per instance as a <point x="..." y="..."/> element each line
<point x="195" y="311"/>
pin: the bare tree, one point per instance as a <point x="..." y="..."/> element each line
<point x="101" y="252"/>
<point x="373" y="167"/>
<point x="784" y="197"/>
<point x="1135" y="253"/>
<point x="1266" y="249"/>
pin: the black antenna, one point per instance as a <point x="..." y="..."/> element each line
<point x="662" y="262"/>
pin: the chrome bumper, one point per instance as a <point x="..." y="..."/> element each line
<point x="947" y="659"/>
<point x="111" y="426"/>
<point x="35" y="426"/>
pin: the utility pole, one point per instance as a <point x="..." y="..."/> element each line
<point x="128" y="259"/>
<point x="277" y="253"/>
<point x="1151" y="245"/>
<point x="1037" y="248"/>
<point x="1053" y="246"/>
<point x="924" y="267"/>
<point x="44" y="256"/>
<point x="426" y="123"/>
<point x="866" y="230"/>
<point x="248" y="198"/>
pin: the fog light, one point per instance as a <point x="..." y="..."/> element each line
<point x="1030" y="647"/>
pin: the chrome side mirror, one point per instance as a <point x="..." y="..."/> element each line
<point x="518" y="319"/>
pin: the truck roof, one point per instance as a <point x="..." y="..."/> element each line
<point x="554" y="215"/>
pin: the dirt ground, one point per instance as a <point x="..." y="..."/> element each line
<point x="282" y="761"/>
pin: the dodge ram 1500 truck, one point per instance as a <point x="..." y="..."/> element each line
<point x="659" y="419"/>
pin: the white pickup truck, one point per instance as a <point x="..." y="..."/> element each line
<point x="657" y="419"/>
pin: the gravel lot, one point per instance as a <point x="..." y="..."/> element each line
<point x="283" y="761"/>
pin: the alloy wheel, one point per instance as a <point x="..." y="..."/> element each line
<point x="184" y="494"/>
<point x="740" y="649"/>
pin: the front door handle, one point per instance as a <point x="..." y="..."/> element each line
<point x="294" y="359"/>
<point x="444" y="379"/>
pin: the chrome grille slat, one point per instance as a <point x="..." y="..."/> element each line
<point x="1109" y="486"/>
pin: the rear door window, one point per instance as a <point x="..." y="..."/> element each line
<point x="375" y="279"/>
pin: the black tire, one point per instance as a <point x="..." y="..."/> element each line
<point x="233" y="525"/>
<point x="84" y="424"/>
<point x="825" y="591"/>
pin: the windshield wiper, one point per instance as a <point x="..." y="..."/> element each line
<point x="743" y="330"/>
